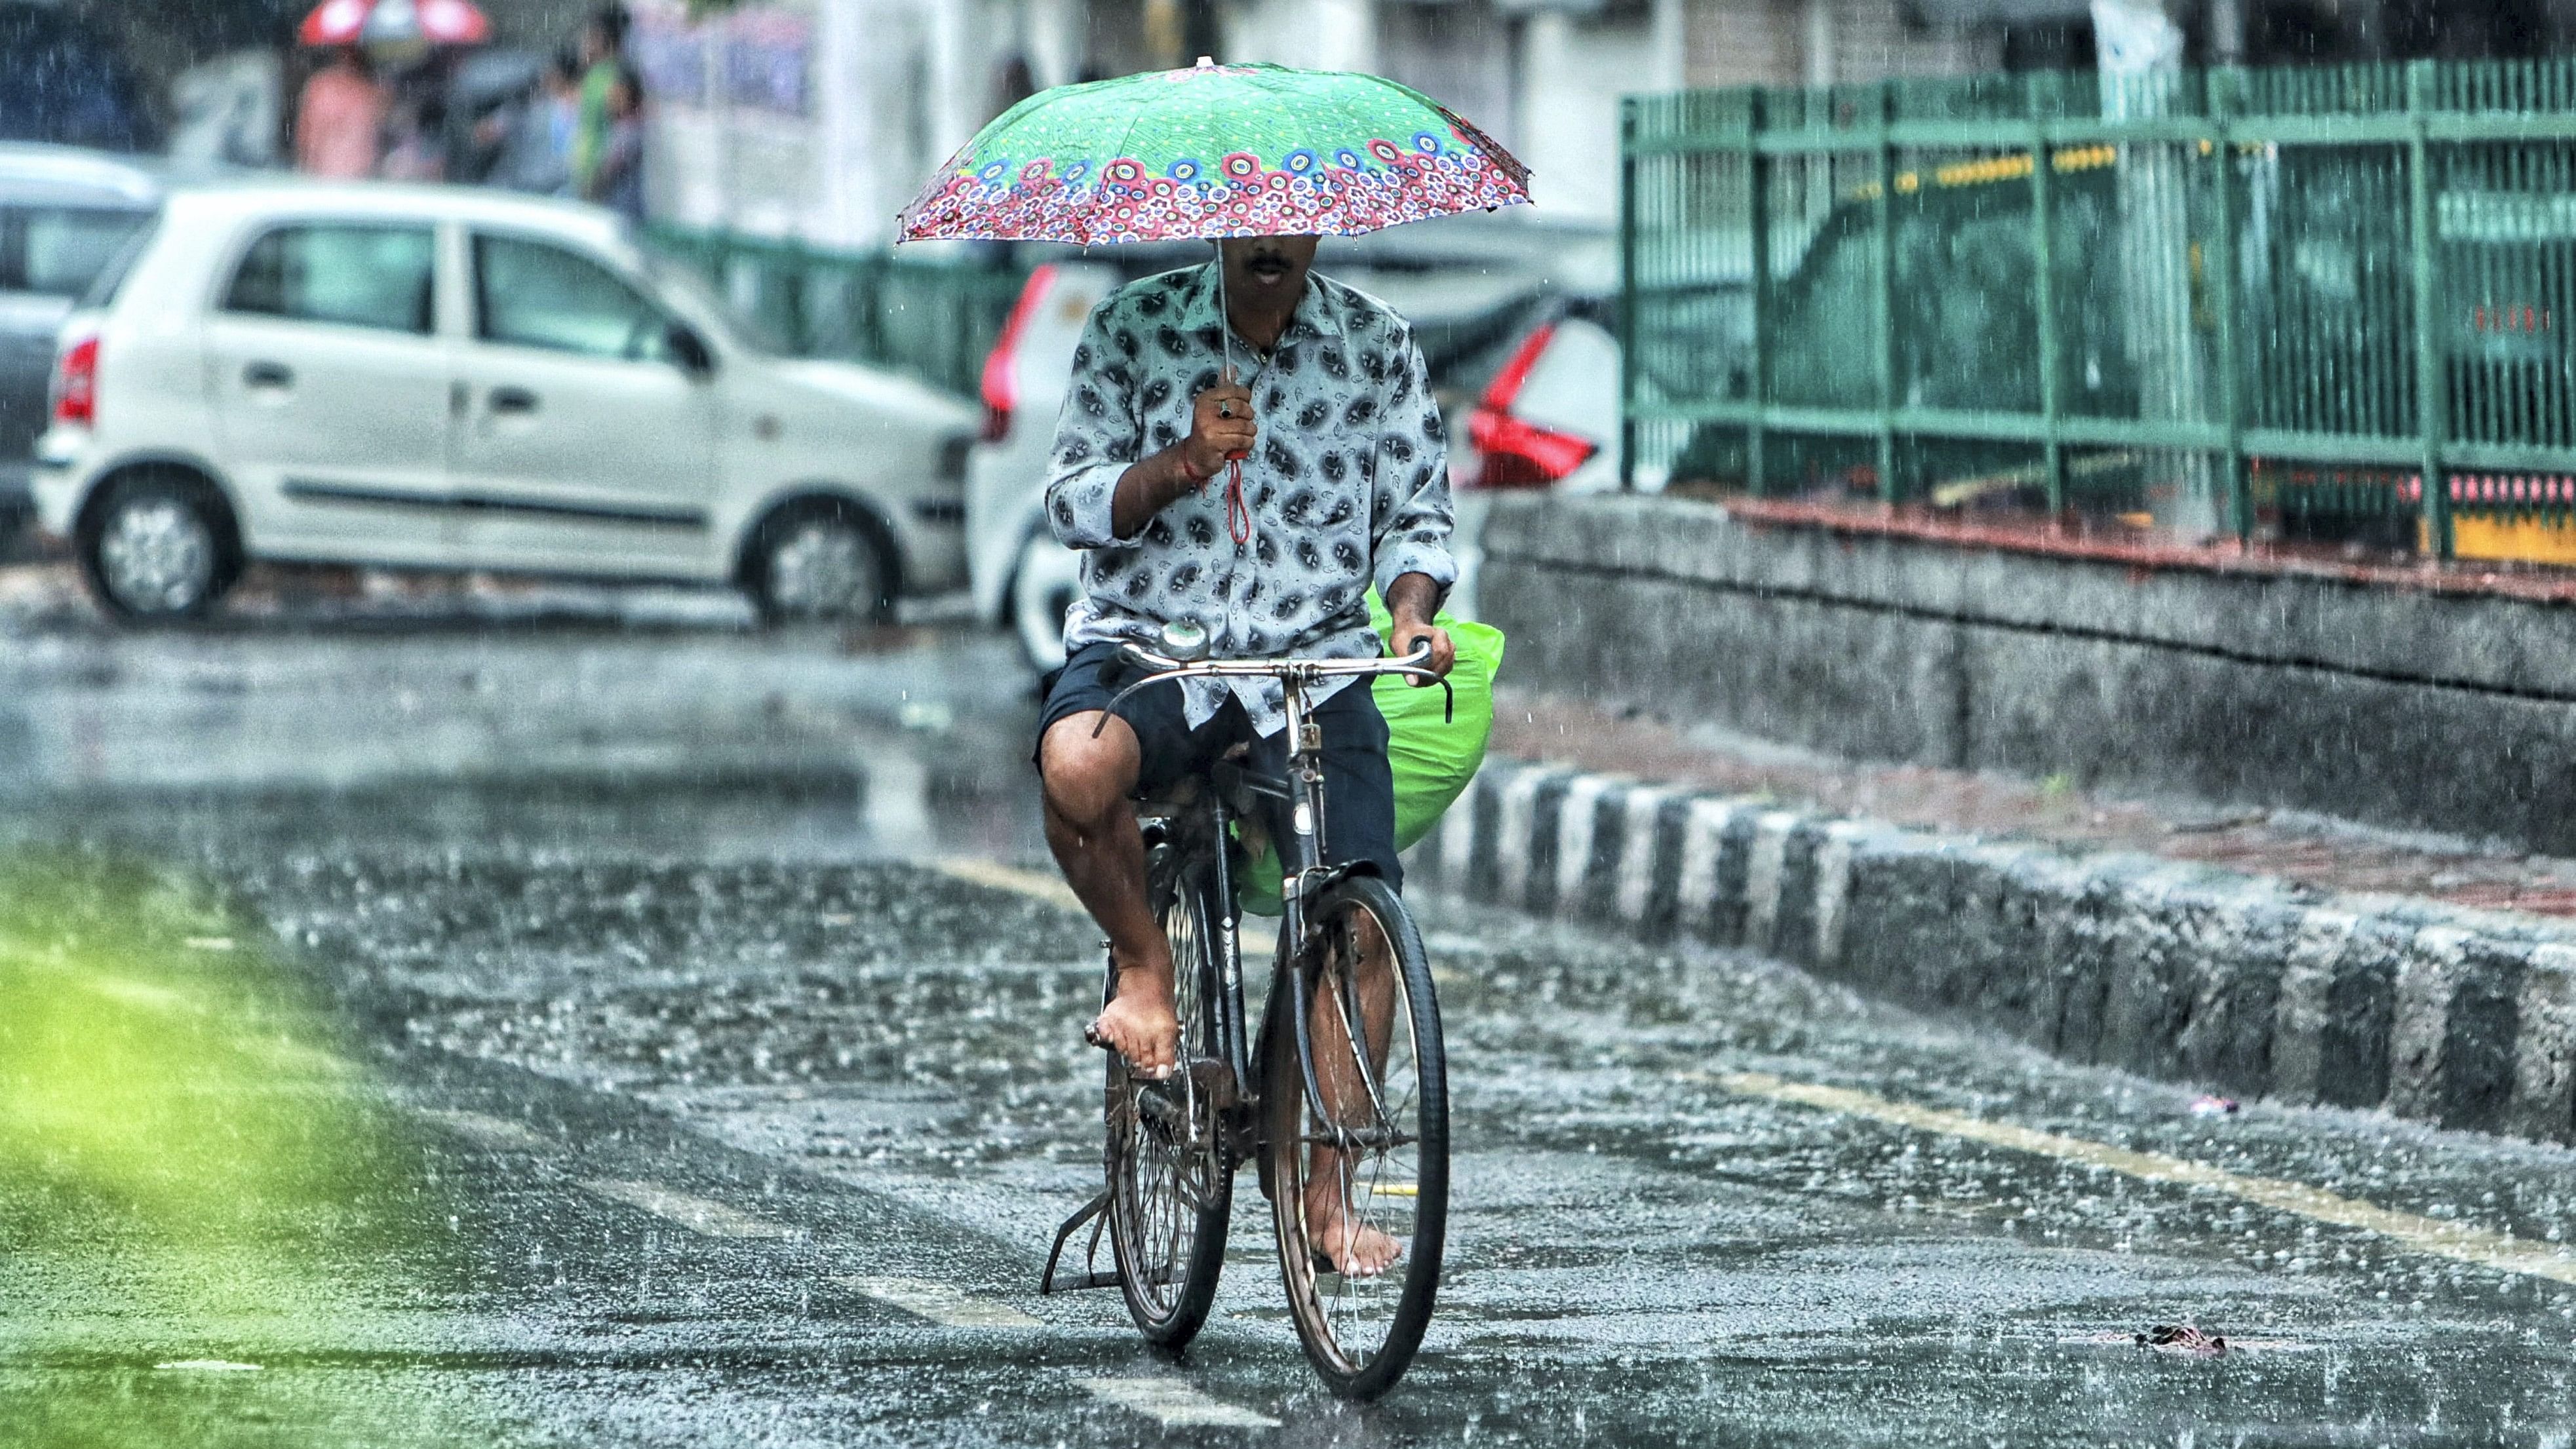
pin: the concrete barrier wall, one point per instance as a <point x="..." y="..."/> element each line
<point x="2184" y="972"/>
<point x="2407" y="707"/>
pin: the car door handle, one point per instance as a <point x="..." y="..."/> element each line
<point x="268" y="374"/>
<point x="513" y="400"/>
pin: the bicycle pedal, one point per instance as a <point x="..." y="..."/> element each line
<point x="1215" y="1081"/>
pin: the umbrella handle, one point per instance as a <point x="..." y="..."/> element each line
<point x="1226" y="377"/>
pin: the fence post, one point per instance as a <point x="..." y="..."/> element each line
<point x="1757" y="217"/>
<point x="2046" y="98"/>
<point x="1627" y="294"/>
<point x="793" y="268"/>
<point x="2432" y="392"/>
<point x="1883" y="293"/>
<point x="2223" y="86"/>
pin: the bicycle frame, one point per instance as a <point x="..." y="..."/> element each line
<point x="1301" y="871"/>
<point x="1302" y="876"/>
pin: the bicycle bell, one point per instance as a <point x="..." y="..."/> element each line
<point x="1185" y="641"/>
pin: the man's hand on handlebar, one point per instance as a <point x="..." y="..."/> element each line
<point x="1411" y="634"/>
<point x="1411" y="601"/>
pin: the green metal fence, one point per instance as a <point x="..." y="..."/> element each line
<point x="933" y="319"/>
<point x="2226" y="300"/>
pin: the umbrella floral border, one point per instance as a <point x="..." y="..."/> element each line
<point x="1347" y="190"/>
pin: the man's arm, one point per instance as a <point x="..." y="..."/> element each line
<point x="1410" y="518"/>
<point x="1099" y="490"/>
<point x="1412" y="600"/>
<point x="1220" y="427"/>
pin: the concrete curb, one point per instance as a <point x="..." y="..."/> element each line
<point x="2248" y="985"/>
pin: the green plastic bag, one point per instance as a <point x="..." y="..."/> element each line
<point x="1432" y="760"/>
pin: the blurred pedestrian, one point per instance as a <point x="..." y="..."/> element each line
<point x="603" y="59"/>
<point x="617" y="182"/>
<point x="340" y="117"/>
<point x="535" y="137"/>
<point x="416" y="136"/>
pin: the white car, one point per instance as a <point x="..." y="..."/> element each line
<point x="361" y="373"/>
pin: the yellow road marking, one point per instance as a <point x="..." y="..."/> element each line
<point x="1396" y="1189"/>
<point x="940" y="1303"/>
<point x="697" y="1214"/>
<point x="1175" y="1403"/>
<point x="209" y="1366"/>
<point x="1253" y="940"/>
<point x="2459" y="1242"/>
<point x="993" y="873"/>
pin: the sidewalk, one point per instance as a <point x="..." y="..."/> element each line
<point x="2253" y="953"/>
<point x="2329" y="855"/>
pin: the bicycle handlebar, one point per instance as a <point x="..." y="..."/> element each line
<point x="1301" y="671"/>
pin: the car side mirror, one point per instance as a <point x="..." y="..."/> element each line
<point x="689" y="350"/>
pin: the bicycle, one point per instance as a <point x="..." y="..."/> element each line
<point x="1299" y="1098"/>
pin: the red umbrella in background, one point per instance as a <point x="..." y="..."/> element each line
<point x="394" y="23"/>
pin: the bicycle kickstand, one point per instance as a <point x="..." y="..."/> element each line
<point x="1096" y="1213"/>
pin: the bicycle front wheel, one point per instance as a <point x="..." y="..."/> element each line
<point x="1358" y="1140"/>
<point x="1171" y="1179"/>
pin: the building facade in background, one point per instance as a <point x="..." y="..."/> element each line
<point x="818" y="119"/>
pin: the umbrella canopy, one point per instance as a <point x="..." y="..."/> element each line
<point x="1215" y="151"/>
<point x="394" y="22"/>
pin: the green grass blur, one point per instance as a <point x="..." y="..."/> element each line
<point x="193" y="1169"/>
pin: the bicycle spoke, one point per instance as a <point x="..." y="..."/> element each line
<point x="1170" y="1200"/>
<point x="1369" y="1145"/>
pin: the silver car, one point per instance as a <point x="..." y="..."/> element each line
<point x="64" y="215"/>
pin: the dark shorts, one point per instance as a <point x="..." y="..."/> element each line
<point x="1359" y="787"/>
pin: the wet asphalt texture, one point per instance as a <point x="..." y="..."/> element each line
<point x="691" y="1067"/>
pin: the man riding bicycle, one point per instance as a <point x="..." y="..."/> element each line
<point x="1342" y="481"/>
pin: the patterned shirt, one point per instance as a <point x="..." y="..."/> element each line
<point x="1348" y="482"/>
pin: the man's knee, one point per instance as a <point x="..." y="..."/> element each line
<point x="1087" y="777"/>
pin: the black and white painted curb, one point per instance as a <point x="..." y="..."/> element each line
<point x="2247" y="984"/>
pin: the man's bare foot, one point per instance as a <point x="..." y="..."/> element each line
<point x="1138" y="1023"/>
<point x="1355" y="1249"/>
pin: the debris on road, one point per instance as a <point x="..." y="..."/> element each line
<point x="2183" y="1338"/>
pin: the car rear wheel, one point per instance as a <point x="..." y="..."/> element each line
<point x="1046" y="581"/>
<point x="822" y="561"/>
<point x="158" y="548"/>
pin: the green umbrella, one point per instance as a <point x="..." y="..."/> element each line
<point x="1215" y="151"/>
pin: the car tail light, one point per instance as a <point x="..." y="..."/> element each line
<point x="1520" y="454"/>
<point x="76" y="383"/>
<point x="1000" y="392"/>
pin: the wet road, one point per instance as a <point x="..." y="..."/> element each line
<point x="578" y="1028"/>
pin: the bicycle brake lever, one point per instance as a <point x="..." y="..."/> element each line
<point x="1448" y="692"/>
<point x="1421" y="674"/>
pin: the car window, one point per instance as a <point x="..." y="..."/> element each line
<point x="63" y="249"/>
<point x="355" y="274"/>
<point x="741" y="328"/>
<point x="533" y="294"/>
<point x="111" y="278"/>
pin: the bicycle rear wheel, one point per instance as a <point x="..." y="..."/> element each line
<point x="1379" y="1149"/>
<point x="1171" y="1181"/>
